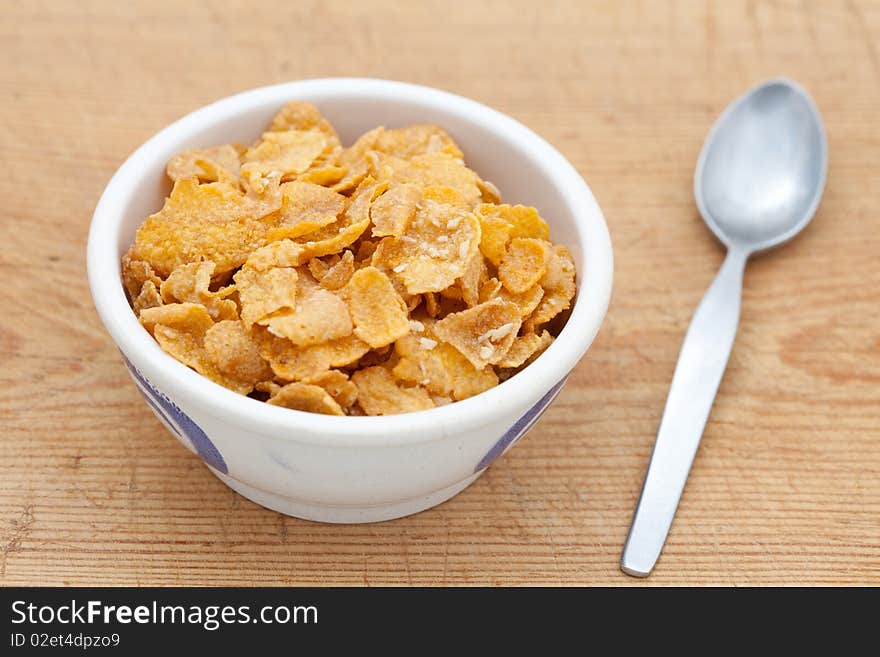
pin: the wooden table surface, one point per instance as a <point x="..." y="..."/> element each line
<point x="786" y="486"/>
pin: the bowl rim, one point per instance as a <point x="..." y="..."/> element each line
<point x="551" y="367"/>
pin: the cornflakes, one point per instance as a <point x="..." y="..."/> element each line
<point x="292" y="363"/>
<point x="483" y="334"/>
<point x="415" y="140"/>
<point x="297" y="115"/>
<point x="338" y="385"/>
<point x="502" y="223"/>
<point x="524" y="264"/>
<point x="135" y="273"/>
<point x="210" y="221"/>
<point x="148" y="297"/>
<point x="339" y="273"/>
<point x="475" y="272"/>
<point x="392" y="212"/>
<point x="559" y="288"/>
<point x="230" y="347"/>
<point x="305" y="207"/>
<point x="291" y="152"/>
<point x="525" y="348"/>
<point x="489" y="192"/>
<point x="378" y="311"/>
<point x="306" y="397"/>
<point x="380" y="394"/>
<point x="218" y="164"/>
<point x="526" y="301"/>
<point x="382" y="278"/>
<point x="401" y="142"/>
<point x="222" y="352"/>
<point x="436" y="169"/>
<point x="440" y="368"/>
<point x="434" y="250"/>
<point x="262" y="293"/>
<point x="191" y="282"/>
<point x="332" y="238"/>
<point x="318" y="317"/>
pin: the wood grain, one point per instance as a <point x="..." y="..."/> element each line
<point x="786" y="486"/>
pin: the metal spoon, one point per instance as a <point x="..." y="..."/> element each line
<point x="758" y="182"/>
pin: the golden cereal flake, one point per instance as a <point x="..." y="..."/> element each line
<point x="524" y="221"/>
<point x="191" y="282"/>
<point x="212" y="221"/>
<point x="440" y="368"/>
<point x="494" y="236"/>
<point x="305" y="207"/>
<point x="284" y="253"/>
<point x="353" y="160"/>
<point x="489" y="192"/>
<point x="332" y="238"/>
<point x="181" y="330"/>
<point x="292" y="363"/>
<point x="217" y="164"/>
<point x="392" y="212"/>
<point x="402" y="143"/>
<point x="483" y="334"/>
<point x="432" y="306"/>
<point x="318" y="317"/>
<point x="362" y="200"/>
<point x="524" y="264"/>
<point x="300" y="115"/>
<point x="435" y="249"/>
<point x="290" y="152"/>
<point x="135" y="273"/>
<point x="412" y="301"/>
<point x="263" y="293"/>
<point x="447" y="195"/>
<point x="490" y="289"/>
<point x="526" y="348"/>
<point x="328" y="240"/>
<point x="422" y="364"/>
<point x="339" y="274"/>
<point x="475" y="273"/>
<point x="306" y="397"/>
<point x="186" y="345"/>
<point x="338" y="385"/>
<point x="191" y="315"/>
<point x="502" y="223"/>
<point x="526" y="301"/>
<point x="414" y="140"/>
<point x="429" y="170"/>
<point x="364" y="252"/>
<point x="318" y="267"/>
<point x="559" y="288"/>
<point x="379" y="393"/>
<point x="347" y="233"/>
<point x="148" y="297"/>
<point x="378" y="312"/>
<point x="326" y="175"/>
<point x="452" y="293"/>
<point x="230" y="347"/>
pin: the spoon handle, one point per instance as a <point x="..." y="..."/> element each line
<point x="698" y="373"/>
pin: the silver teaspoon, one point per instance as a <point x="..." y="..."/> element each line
<point x="758" y="182"/>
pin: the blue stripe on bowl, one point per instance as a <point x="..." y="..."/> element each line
<point x="520" y="427"/>
<point x="178" y="422"/>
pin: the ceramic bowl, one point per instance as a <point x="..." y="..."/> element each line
<point x="353" y="469"/>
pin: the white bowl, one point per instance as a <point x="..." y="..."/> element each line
<point x="353" y="469"/>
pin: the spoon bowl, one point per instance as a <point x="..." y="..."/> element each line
<point x="762" y="169"/>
